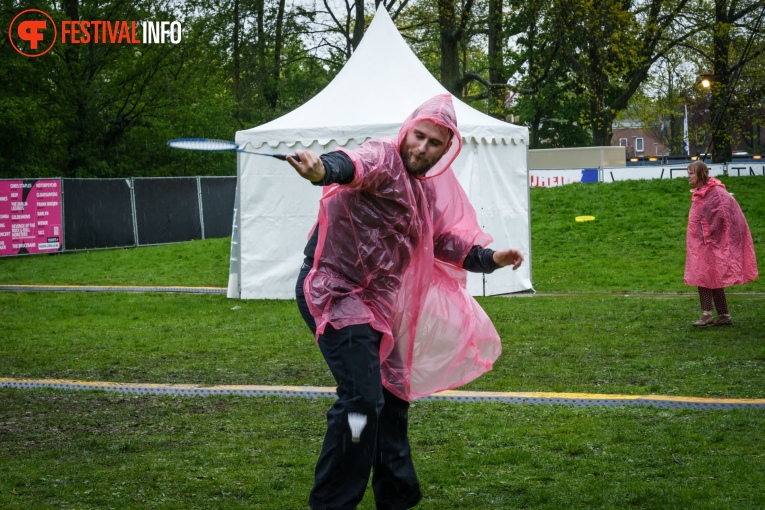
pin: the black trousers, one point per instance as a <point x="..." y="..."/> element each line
<point x="343" y="469"/>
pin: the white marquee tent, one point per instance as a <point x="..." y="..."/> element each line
<point x="380" y="85"/>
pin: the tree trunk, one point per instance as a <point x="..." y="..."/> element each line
<point x="535" y="128"/>
<point x="260" y="44"/>
<point x="496" y="61"/>
<point x="721" y="146"/>
<point x="601" y="121"/>
<point x="272" y="92"/>
<point x="237" y="70"/>
<point x="72" y="9"/>
<point x="450" y="55"/>
<point x="76" y="127"/>
<point x="358" y="27"/>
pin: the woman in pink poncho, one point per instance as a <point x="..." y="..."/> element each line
<point x="719" y="247"/>
<point x="383" y="289"/>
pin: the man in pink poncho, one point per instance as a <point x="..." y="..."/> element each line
<point x="392" y="214"/>
<point x="719" y="247"/>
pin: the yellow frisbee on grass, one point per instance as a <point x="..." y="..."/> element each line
<point x="584" y="218"/>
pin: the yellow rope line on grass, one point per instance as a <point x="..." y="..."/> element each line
<point x="455" y="394"/>
<point x="600" y="396"/>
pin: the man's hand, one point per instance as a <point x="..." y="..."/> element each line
<point x="309" y="167"/>
<point x="508" y="257"/>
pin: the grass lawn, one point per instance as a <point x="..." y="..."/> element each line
<point x="636" y="242"/>
<point x="579" y="343"/>
<point x="615" y="318"/>
<point x="89" y="450"/>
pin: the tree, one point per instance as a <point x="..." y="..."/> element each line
<point x="610" y="46"/>
<point x="349" y="26"/>
<point x="496" y="56"/>
<point x="277" y="70"/>
<point x="546" y="96"/>
<point x="107" y="110"/>
<point x="733" y="35"/>
<point x="88" y="97"/>
<point x="462" y="47"/>
<point x="659" y="105"/>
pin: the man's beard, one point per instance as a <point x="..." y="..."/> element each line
<point x="414" y="164"/>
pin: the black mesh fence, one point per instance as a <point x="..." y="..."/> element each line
<point x="167" y="210"/>
<point x="98" y="213"/>
<point x="113" y="213"/>
<point x="217" y="205"/>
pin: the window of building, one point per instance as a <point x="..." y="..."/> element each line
<point x="639" y="145"/>
<point x="623" y="142"/>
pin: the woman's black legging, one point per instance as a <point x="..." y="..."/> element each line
<point x="707" y="296"/>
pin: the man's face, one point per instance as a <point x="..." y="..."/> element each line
<point x="423" y="146"/>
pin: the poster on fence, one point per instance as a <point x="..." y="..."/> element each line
<point x="30" y="216"/>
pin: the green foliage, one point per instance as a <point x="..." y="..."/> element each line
<point x="554" y="115"/>
<point x="107" y="110"/>
<point x="420" y="26"/>
<point x="659" y="108"/>
<point x="551" y="102"/>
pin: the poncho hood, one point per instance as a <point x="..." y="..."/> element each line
<point x="439" y="110"/>
<point x="711" y="183"/>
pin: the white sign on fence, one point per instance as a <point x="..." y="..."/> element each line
<point x="551" y="178"/>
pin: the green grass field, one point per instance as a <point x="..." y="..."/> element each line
<point x="612" y="316"/>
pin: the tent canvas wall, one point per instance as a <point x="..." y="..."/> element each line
<point x="380" y="85"/>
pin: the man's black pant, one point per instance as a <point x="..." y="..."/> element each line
<point x="342" y="471"/>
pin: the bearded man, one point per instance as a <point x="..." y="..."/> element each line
<point x="392" y="210"/>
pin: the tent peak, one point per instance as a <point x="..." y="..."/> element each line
<point x="371" y="96"/>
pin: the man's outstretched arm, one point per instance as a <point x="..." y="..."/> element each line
<point x="450" y="249"/>
<point x="486" y="260"/>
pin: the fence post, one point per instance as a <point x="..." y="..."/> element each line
<point x="201" y="211"/>
<point x="131" y="183"/>
<point x="63" y="214"/>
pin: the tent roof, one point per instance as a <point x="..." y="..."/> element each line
<point x="379" y="86"/>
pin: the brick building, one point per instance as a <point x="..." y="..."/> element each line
<point x="637" y="140"/>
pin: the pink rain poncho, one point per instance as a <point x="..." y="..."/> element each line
<point x="389" y="254"/>
<point x="719" y="247"/>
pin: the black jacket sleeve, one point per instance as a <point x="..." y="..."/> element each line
<point x="480" y="260"/>
<point x="339" y="169"/>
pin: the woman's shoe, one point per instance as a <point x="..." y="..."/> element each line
<point x="724" y="320"/>
<point x="705" y="320"/>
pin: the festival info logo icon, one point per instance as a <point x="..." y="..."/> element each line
<point x="32" y="33"/>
